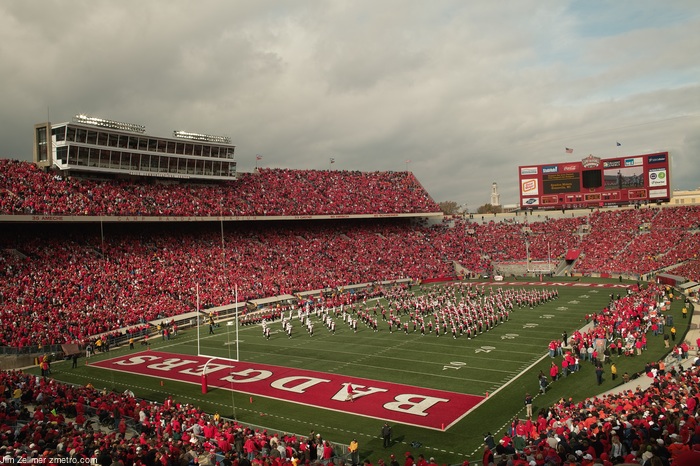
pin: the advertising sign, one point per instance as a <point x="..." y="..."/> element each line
<point x="657" y="177"/>
<point x="528" y="187"/>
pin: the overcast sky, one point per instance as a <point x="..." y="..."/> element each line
<point x="465" y="90"/>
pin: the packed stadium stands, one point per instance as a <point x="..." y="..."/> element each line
<point x="42" y="419"/>
<point x="67" y="283"/>
<point x="631" y="241"/>
<point x="52" y="292"/>
<point x="268" y="192"/>
<point x="690" y="268"/>
<point x="63" y="286"/>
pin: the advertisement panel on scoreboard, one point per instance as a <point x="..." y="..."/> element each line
<point x="529" y="187"/>
<point x="657" y="177"/>
<point x="595" y="182"/>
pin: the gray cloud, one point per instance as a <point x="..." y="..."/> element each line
<point x="467" y="91"/>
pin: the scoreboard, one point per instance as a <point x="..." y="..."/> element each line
<point x="596" y="182"/>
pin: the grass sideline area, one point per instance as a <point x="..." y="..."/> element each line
<point x="504" y="362"/>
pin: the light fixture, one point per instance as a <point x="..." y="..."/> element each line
<point x="202" y="137"/>
<point x="101" y="122"/>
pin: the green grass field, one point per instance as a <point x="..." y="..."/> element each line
<point x="503" y="362"/>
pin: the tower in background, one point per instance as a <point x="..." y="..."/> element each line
<point x="495" y="197"/>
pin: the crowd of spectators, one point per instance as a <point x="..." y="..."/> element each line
<point x="655" y="426"/>
<point x="633" y="426"/>
<point x="42" y="420"/>
<point x="624" y="325"/>
<point x="66" y="284"/>
<point x="689" y="269"/>
<point x="629" y="241"/>
<point x="638" y="241"/>
<point x="506" y="241"/>
<point x="626" y="241"/>
<point x="25" y="189"/>
<point x="609" y="234"/>
<point x="620" y="329"/>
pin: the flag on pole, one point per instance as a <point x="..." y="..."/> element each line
<point x="569" y="150"/>
<point x="258" y="157"/>
<point x="332" y="160"/>
<point x="618" y="144"/>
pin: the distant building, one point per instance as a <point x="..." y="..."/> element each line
<point x="689" y="197"/>
<point x="111" y="148"/>
<point x="495" y="197"/>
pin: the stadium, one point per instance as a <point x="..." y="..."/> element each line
<point x="158" y="305"/>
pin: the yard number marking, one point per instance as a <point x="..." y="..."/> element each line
<point x="454" y="365"/>
<point x="485" y="349"/>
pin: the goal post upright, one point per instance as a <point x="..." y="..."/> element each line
<point x="229" y="323"/>
<point x="198" y="319"/>
<point x="230" y="360"/>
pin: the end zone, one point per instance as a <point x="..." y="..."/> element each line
<point x="417" y="406"/>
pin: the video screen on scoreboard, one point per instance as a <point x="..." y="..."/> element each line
<point x="624" y="178"/>
<point x="555" y="183"/>
<point x="592" y="179"/>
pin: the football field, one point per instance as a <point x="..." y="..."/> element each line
<point x="440" y="392"/>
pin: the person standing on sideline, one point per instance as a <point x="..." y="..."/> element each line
<point x="75" y="360"/>
<point x="554" y="372"/>
<point x="613" y="371"/>
<point x="354" y="452"/>
<point x="386" y="434"/>
<point x="487" y="458"/>
<point x="599" y="374"/>
<point x="528" y="405"/>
